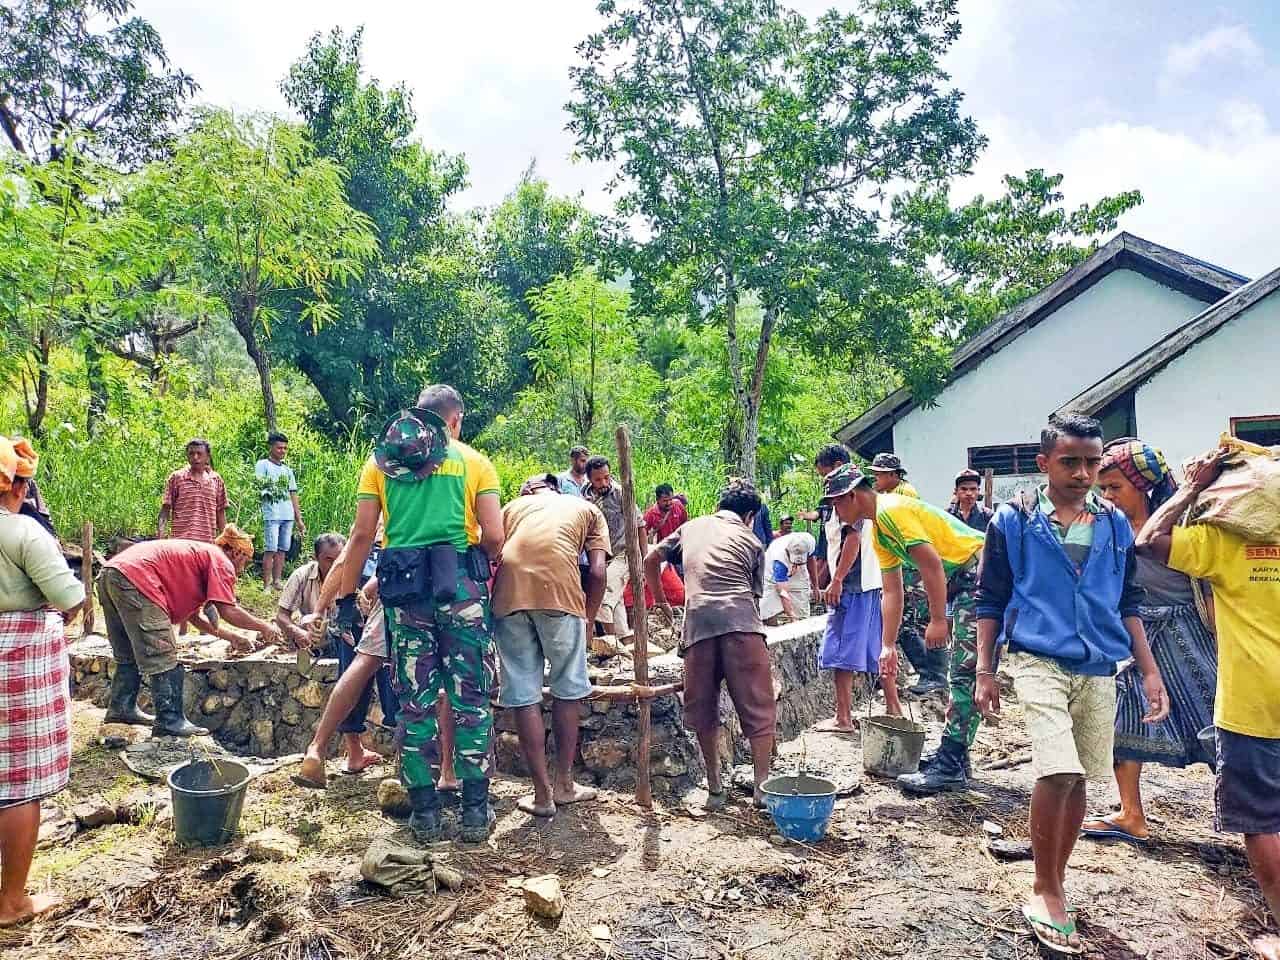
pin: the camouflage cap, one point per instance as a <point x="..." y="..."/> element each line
<point x="412" y="445"/>
<point x="539" y="482"/>
<point x="888" y="463"/>
<point x="843" y="479"/>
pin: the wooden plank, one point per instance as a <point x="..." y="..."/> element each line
<point x="639" y="618"/>
<point x="86" y="575"/>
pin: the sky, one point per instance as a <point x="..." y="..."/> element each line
<point x="1180" y="98"/>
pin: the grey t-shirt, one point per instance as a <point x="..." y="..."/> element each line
<point x="1165" y="587"/>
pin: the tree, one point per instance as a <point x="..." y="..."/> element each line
<point x="989" y="255"/>
<point x="361" y="361"/>
<point x="758" y="150"/>
<point x="272" y="224"/>
<point x="109" y="95"/>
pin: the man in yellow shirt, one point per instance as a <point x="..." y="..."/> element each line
<point x="891" y="476"/>
<point x="913" y="535"/>
<point x="442" y="521"/>
<point x="1246" y="595"/>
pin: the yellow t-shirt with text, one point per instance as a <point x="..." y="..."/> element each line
<point x="1246" y="603"/>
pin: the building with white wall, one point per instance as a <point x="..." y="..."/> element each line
<point x="1155" y="343"/>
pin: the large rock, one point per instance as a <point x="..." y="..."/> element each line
<point x="219" y="679"/>
<point x="543" y="896"/>
<point x="311" y="694"/>
<point x="393" y="798"/>
<point x="94" y="812"/>
<point x="271" y="845"/>
<point x="604" y="754"/>
<point x="262" y="737"/>
<point x="291" y="712"/>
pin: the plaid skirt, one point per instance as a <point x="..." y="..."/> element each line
<point x="35" y="706"/>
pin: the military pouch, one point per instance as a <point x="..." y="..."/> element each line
<point x="403" y="576"/>
<point x="443" y="558"/>
<point x="478" y="565"/>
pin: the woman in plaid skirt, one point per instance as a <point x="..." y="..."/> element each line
<point x="38" y="593"/>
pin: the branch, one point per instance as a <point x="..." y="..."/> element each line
<point x="10" y="124"/>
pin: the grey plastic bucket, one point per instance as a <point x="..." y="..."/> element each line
<point x="208" y="796"/>
<point x="891" y="746"/>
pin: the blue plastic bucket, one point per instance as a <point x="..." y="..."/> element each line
<point x="801" y="805"/>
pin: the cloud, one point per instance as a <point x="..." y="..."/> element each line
<point x="1210" y="195"/>
<point x="1222" y="44"/>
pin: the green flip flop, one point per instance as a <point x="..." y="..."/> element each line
<point x="1038" y="927"/>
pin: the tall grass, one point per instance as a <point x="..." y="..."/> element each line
<point x="117" y="478"/>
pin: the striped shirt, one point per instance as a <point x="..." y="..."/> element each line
<point x="194" y="501"/>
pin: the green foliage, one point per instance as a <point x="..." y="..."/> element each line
<point x="111" y="92"/>
<point x="757" y="149"/>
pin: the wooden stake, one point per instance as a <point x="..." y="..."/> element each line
<point x="86" y="575"/>
<point x="989" y="487"/>
<point x="639" y="618"/>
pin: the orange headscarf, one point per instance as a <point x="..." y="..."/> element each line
<point x="8" y="464"/>
<point x="235" y="540"/>
<point x="27" y="457"/>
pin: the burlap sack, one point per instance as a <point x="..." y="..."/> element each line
<point x="1246" y="498"/>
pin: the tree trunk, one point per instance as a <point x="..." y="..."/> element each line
<point x="333" y="391"/>
<point x="244" y="324"/>
<point x="755" y="394"/>
<point x="38" y="405"/>
<point x="97" y="382"/>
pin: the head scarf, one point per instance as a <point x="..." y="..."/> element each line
<point x="1143" y="466"/>
<point x="235" y="540"/>
<point x="8" y="464"/>
<point x="27" y="457"/>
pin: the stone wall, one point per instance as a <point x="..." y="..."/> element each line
<point x="268" y="708"/>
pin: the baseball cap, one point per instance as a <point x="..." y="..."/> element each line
<point x="412" y="445"/>
<point x="968" y="476"/>
<point x="843" y="479"/>
<point x="888" y="463"/>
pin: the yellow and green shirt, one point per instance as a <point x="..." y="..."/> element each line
<point x="439" y="509"/>
<point x="904" y="522"/>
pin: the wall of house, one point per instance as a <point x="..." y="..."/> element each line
<point x="1007" y="398"/>
<point x="1232" y="373"/>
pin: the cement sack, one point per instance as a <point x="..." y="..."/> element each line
<point x="1246" y="499"/>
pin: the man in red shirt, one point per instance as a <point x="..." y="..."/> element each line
<point x="667" y="515"/>
<point x="147" y="588"/>
<point x="195" y="499"/>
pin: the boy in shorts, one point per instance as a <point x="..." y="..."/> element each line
<point x="1057" y="577"/>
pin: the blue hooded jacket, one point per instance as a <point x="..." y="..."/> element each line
<point x="1029" y="585"/>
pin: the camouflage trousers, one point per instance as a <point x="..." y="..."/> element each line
<point x="929" y="664"/>
<point x="962" y="715"/>
<point x="445" y="646"/>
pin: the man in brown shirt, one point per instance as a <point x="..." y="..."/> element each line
<point x="723" y="635"/>
<point x="540" y="616"/>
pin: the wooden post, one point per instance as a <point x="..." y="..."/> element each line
<point x="989" y="487"/>
<point x="639" y="617"/>
<point x="86" y="575"/>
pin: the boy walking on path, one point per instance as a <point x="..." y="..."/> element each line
<point x="1246" y="593"/>
<point x="194" y="506"/>
<point x="913" y="535"/>
<point x="438" y="499"/>
<point x="1058" y="578"/>
<point x="723" y="636"/>
<point x="540" y="617"/>
<point x="278" y="488"/>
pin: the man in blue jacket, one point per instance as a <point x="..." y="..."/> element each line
<point x="1057" y="577"/>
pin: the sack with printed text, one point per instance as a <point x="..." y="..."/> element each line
<point x="1245" y="499"/>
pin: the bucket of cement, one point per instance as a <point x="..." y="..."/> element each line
<point x="891" y="746"/>
<point x="801" y="805"/>
<point x="208" y="796"/>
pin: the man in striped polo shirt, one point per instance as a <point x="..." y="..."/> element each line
<point x="195" y="498"/>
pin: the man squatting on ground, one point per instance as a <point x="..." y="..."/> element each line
<point x="1246" y="592"/>
<point x="438" y="499"/>
<point x="723" y="636"/>
<point x="1059" y="579"/>
<point x="146" y="589"/>
<point x="540" y="617"/>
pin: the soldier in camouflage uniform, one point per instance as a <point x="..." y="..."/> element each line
<point x="435" y="493"/>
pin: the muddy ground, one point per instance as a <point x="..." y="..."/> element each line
<point x="895" y="877"/>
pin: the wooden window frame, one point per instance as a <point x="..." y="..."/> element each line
<point x="1020" y="452"/>
<point x="1269" y="418"/>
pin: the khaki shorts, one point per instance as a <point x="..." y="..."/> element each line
<point x="1071" y="717"/>
<point x="373" y="641"/>
<point x="613" y="608"/>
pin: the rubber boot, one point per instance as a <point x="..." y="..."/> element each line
<point x="477" y="815"/>
<point x="929" y="759"/>
<point x="122" y="705"/>
<point x="944" y="773"/>
<point x="171" y="720"/>
<point x="425" y="821"/>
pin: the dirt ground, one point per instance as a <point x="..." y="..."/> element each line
<point x="895" y="877"/>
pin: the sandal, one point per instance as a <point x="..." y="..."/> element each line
<point x="1110" y="831"/>
<point x="830" y="726"/>
<point x="1043" y="928"/>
